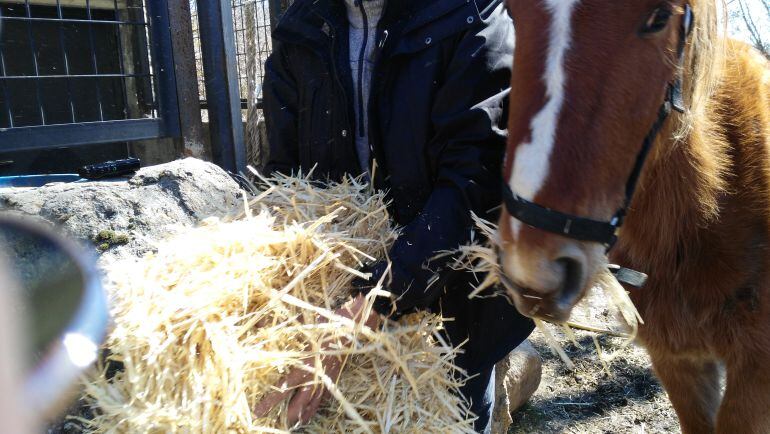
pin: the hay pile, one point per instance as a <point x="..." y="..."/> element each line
<point x="620" y="317"/>
<point x="209" y="325"/>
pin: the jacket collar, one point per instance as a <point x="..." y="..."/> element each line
<point x="310" y="22"/>
<point x="307" y="21"/>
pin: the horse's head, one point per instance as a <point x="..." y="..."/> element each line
<point x="590" y="78"/>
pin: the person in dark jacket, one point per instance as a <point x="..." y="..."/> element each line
<point x="413" y="94"/>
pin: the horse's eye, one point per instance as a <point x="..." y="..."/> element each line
<point x="657" y="20"/>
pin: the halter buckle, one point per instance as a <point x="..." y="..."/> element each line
<point x="630" y="277"/>
<point x="567" y="226"/>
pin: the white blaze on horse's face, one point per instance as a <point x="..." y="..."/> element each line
<point x="532" y="159"/>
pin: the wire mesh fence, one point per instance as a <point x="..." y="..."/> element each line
<point x="251" y="24"/>
<point x="197" y="49"/>
<point x="101" y="71"/>
<point x="74" y="61"/>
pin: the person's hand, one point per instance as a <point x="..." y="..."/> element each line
<point x="307" y="399"/>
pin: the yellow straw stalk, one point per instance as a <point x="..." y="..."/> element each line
<point x="209" y="324"/>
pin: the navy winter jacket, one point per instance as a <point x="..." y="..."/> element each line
<point x="437" y="118"/>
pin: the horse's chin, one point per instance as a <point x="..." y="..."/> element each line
<point x="543" y="307"/>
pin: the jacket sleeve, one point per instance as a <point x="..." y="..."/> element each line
<point x="469" y="116"/>
<point x="280" y="97"/>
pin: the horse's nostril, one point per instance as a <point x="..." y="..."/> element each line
<point x="572" y="284"/>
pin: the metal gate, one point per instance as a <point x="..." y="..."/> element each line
<point x="253" y="21"/>
<point x="80" y="72"/>
<point x="232" y="66"/>
<point x="76" y="72"/>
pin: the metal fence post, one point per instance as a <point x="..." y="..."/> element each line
<point x="162" y="50"/>
<point x="215" y="18"/>
<point x="193" y="142"/>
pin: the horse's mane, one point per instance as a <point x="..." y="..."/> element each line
<point x="699" y="127"/>
<point x="704" y="61"/>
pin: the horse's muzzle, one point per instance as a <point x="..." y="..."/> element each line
<point x="555" y="305"/>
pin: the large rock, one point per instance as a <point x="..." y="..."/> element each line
<point x="517" y="377"/>
<point x="125" y="217"/>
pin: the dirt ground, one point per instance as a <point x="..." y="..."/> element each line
<point x="625" y="399"/>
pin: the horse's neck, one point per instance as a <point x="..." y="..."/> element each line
<point x="688" y="184"/>
<point x="679" y="194"/>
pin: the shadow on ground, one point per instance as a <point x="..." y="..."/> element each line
<point x="625" y="398"/>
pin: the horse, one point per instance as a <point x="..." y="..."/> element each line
<point x="639" y="135"/>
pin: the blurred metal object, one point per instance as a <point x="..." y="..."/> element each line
<point x="62" y="309"/>
<point x="14" y="417"/>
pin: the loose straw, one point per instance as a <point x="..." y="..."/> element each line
<point x="210" y="324"/>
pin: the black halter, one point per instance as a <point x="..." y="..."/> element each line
<point x="585" y="229"/>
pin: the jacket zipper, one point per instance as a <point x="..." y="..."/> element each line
<point x="372" y="100"/>
<point x="361" y="62"/>
<point x="340" y="85"/>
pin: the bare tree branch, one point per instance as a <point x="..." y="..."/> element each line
<point x="767" y="8"/>
<point x="756" y="37"/>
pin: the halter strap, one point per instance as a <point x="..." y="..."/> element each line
<point x="549" y="220"/>
<point x="581" y="228"/>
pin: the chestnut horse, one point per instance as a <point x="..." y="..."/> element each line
<point x="639" y="113"/>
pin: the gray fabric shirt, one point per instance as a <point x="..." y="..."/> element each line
<point x="363" y="17"/>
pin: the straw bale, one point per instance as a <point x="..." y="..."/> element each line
<point x="209" y="324"/>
